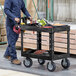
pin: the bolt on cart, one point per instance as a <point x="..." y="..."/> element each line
<point x="47" y="54"/>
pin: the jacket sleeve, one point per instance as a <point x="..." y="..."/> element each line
<point x="24" y="10"/>
<point x="7" y="7"/>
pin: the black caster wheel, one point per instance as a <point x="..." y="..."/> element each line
<point x="41" y="61"/>
<point x="27" y="62"/>
<point x="65" y="63"/>
<point x="51" y="66"/>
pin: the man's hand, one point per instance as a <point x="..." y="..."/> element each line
<point x="30" y="18"/>
<point x="17" y="20"/>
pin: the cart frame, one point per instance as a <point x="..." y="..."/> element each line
<point x="50" y="56"/>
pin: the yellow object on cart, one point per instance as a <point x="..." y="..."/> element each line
<point x="23" y="24"/>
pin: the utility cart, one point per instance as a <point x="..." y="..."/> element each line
<point x="48" y="54"/>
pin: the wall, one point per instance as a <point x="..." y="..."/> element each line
<point x="65" y="10"/>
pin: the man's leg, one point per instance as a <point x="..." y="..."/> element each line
<point x="13" y="54"/>
<point x="7" y="52"/>
<point x="12" y="41"/>
<point x="12" y="38"/>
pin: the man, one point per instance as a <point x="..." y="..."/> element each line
<point x="12" y="9"/>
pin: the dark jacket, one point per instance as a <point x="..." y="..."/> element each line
<point x="12" y="9"/>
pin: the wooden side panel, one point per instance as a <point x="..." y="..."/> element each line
<point x="60" y="41"/>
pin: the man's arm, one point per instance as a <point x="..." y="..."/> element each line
<point x="24" y="10"/>
<point x="7" y="11"/>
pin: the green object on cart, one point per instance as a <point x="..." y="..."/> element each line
<point x="42" y="22"/>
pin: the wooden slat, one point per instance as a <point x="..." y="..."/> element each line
<point x="60" y="34"/>
<point x="44" y="33"/>
<point x="45" y="47"/>
<point x="45" y="38"/>
<point x="65" y="35"/>
<point x="60" y="50"/>
<point x="33" y="46"/>
<point x="73" y="46"/>
<point x="30" y="41"/>
<point x="60" y="45"/>
<point x="73" y="52"/>
<point x="73" y="31"/>
<point x="64" y="40"/>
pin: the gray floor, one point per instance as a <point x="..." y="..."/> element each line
<point x="36" y="68"/>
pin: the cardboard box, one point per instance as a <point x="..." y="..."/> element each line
<point x="2" y="26"/>
<point x="3" y="31"/>
<point x="3" y="38"/>
<point x="2" y="2"/>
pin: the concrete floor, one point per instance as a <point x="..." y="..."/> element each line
<point x="8" y="69"/>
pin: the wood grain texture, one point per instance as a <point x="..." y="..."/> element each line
<point x="60" y="41"/>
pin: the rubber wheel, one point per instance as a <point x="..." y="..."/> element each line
<point x="65" y="63"/>
<point x="27" y="62"/>
<point x="41" y="61"/>
<point x="51" y="66"/>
